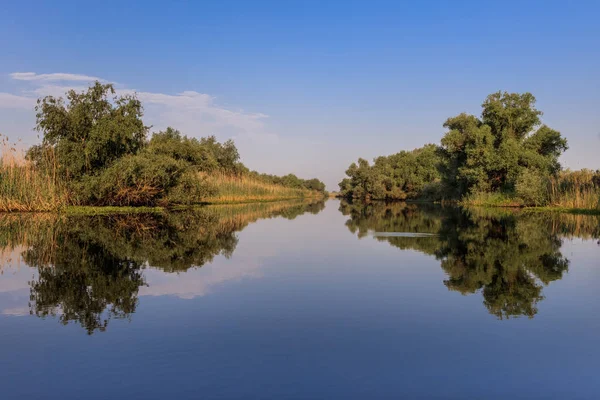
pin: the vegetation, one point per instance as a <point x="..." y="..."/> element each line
<point x="252" y="187"/>
<point x="90" y="268"/>
<point x="23" y="187"/>
<point x="95" y="151"/>
<point x="401" y="176"/>
<point x="506" y="256"/>
<point x="504" y="157"/>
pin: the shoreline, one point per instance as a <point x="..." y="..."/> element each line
<point x="549" y="209"/>
<point x="107" y="210"/>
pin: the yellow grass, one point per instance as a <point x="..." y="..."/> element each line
<point x="576" y="189"/>
<point x="244" y="189"/>
<point x="23" y="187"/>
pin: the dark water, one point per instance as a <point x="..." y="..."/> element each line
<point x="301" y="301"/>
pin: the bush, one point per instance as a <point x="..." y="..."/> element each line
<point x="191" y="189"/>
<point x="134" y="180"/>
<point x="532" y="188"/>
<point x="432" y="191"/>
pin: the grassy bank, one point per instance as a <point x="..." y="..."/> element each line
<point x="245" y="189"/>
<point x="576" y="192"/>
<point x="508" y="203"/>
<point x="23" y="188"/>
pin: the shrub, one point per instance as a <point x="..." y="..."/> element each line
<point x="133" y="180"/>
<point x="191" y="189"/>
<point x="532" y="188"/>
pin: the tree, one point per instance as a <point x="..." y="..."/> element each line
<point x="95" y="143"/>
<point x="396" y="177"/>
<point x="89" y="131"/>
<point x="490" y="154"/>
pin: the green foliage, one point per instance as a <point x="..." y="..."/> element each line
<point x="190" y="189"/>
<point x="405" y="175"/>
<point x="532" y="187"/>
<point x="133" y="180"/>
<point x="510" y="115"/>
<point x="89" y="131"/>
<point x="505" y="157"/>
<point x="505" y="147"/>
<point x="206" y="154"/>
<point x="97" y="146"/>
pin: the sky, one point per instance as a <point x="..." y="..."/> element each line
<point x="308" y="87"/>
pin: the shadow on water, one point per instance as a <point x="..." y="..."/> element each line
<point x="507" y="256"/>
<point x="90" y="268"/>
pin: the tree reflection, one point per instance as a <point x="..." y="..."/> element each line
<point x="90" y="268"/>
<point x="507" y="256"/>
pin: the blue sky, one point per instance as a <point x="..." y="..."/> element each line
<point x="310" y="86"/>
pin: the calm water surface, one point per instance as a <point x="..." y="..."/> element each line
<point x="301" y="301"/>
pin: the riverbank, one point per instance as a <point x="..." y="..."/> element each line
<point x="503" y="206"/>
<point x="108" y="210"/>
<point x="25" y="189"/>
<point x="590" y="205"/>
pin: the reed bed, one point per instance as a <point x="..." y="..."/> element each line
<point x="25" y="188"/>
<point x="244" y="189"/>
<point x="575" y="189"/>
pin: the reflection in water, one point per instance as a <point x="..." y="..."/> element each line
<point x="509" y="256"/>
<point x="90" y="268"/>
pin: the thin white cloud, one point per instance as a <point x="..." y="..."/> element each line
<point x="59" y="76"/>
<point x="12" y="101"/>
<point x="193" y="113"/>
<point x="191" y="109"/>
<point x="197" y="282"/>
<point x="15" y="311"/>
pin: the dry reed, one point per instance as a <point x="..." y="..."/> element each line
<point x="575" y="189"/>
<point x="242" y="189"/>
<point x="23" y="187"/>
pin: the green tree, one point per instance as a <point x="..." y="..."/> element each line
<point x="89" y="131"/>
<point x="491" y="154"/>
<point x="95" y="143"/>
<point x="400" y="176"/>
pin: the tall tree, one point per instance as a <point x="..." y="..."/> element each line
<point x="90" y="130"/>
<point x="504" y="147"/>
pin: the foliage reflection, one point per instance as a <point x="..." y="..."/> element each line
<point x="90" y="268"/>
<point x="507" y="256"/>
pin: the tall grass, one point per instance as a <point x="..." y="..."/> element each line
<point x="572" y="190"/>
<point x="575" y="189"/>
<point x="496" y="199"/>
<point x="23" y="187"/>
<point x="242" y="189"/>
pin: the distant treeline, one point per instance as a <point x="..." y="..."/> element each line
<point x="96" y="151"/>
<point x="504" y="157"/>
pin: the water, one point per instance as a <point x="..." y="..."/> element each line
<point x="301" y="301"/>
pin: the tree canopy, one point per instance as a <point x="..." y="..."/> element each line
<point x="505" y="150"/>
<point x="405" y="175"/>
<point x="507" y="145"/>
